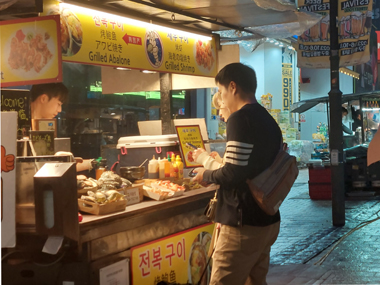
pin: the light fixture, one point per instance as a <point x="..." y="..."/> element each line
<point x="271" y="41"/>
<point x="148" y="71"/>
<point x="113" y="114"/>
<point x="349" y="72"/>
<point x="276" y="43"/>
<point x="122" y="68"/>
<point x="136" y="23"/>
<point x="371" y="109"/>
<point x="281" y="45"/>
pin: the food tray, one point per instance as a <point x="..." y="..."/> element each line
<point x="156" y="196"/>
<point x="162" y="188"/>
<point x="97" y="209"/>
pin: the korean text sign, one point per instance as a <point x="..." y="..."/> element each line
<point x="178" y="258"/>
<point x="94" y="37"/>
<point x="30" y="51"/>
<point x="354" y="26"/>
<point x="192" y="135"/>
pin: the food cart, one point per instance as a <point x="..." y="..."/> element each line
<point x="51" y="244"/>
<point x="360" y="180"/>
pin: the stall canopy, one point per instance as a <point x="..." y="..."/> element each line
<point x="303" y="106"/>
<point x="233" y="19"/>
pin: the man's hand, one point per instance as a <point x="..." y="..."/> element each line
<point x="199" y="177"/>
<point x="197" y="152"/>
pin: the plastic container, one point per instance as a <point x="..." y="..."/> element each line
<point x="173" y="167"/>
<point x="179" y="167"/>
<point x="320" y="191"/>
<point x="161" y="168"/>
<point x="153" y="168"/>
<point x="102" y="167"/>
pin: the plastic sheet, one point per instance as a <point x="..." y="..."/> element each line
<point x="302" y="150"/>
<point x="278" y="5"/>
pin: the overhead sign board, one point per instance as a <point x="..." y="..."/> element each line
<point x="94" y="37"/>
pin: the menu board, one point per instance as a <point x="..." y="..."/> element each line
<point x="43" y="142"/>
<point x="354" y="26"/>
<point x="95" y="37"/>
<point x="30" y="51"/>
<point x="19" y="101"/>
<point x="189" y="135"/>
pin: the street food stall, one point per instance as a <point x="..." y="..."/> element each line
<point x="363" y="112"/>
<point x="127" y="227"/>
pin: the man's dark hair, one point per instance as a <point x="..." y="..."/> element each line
<point x="344" y="110"/>
<point x="242" y="75"/>
<point x="52" y="90"/>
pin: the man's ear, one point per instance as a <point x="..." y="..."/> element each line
<point x="233" y="87"/>
<point x="44" y="98"/>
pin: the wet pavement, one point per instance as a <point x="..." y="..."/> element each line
<point x="307" y="235"/>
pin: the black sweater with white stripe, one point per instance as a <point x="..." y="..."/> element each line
<point x="253" y="140"/>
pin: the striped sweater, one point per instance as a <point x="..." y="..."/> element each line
<point x="253" y="140"/>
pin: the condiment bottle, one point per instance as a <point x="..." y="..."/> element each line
<point x="161" y="168"/>
<point x="173" y="166"/>
<point x="153" y="168"/>
<point x="102" y="167"/>
<point x="167" y="167"/>
<point x="180" y="167"/>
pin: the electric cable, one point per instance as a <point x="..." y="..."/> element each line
<point x="358" y="227"/>
<point x="9" y="253"/>
<point x="52" y="263"/>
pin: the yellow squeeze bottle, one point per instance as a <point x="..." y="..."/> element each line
<point x="172" y="166"/>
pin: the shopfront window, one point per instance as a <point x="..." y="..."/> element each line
<point x="92" y="119"/>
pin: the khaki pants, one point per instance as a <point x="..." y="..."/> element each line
<point x="242" y="254"/>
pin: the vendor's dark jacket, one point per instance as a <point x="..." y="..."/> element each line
<point x="253" y="141"/>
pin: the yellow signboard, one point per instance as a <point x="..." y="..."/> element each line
<point x="94" y="37"/>
<point x="190" y="138"/>
<point x="179" y="258"/>
<point x="30" y="51"/>
<point x="287" y="75"/>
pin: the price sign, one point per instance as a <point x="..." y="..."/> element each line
<point x="192" y="135"/>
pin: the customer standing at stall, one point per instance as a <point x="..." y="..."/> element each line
<point x="253" y="140"/>
<point x="212" y="160"/>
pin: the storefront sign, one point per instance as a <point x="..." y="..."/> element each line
<point x="94" y="37"/>
<point x="179" y="258"/>
<point x="8" y="178"/>
<point x="287" y="75"/>
<point x="354" y="27"/>
<point x="189" y="135"/>
<point x="30" y="51"/>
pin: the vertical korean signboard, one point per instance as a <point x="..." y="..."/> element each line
<point x="178" y="258"/>
<point x="95" y="37"/>
<point x="287" y="75"/>
<point x="354" y="26"/>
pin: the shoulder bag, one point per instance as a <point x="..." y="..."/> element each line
<point x="270" y="187"/>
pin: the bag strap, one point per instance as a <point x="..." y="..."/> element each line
<point x="208" y="262"/>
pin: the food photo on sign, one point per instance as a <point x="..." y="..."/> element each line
<point x="190" y="138"/>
